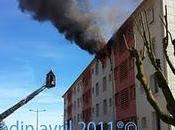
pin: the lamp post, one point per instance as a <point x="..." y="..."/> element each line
<point x="37" y="115"/>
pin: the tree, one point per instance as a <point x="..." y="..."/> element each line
<point x="144" y="31"/>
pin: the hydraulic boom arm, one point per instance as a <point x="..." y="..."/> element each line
<point x="50" y="83"/>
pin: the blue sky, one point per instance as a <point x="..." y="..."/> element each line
<point x="28" y="50"/>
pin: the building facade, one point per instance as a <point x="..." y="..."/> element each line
<point x="108" y="91"/>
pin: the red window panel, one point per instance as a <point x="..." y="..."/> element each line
<point x="86" y="78"/>
<point x="124" y="99"/>
<point x="69" y="109"/>
<point x="85" y="81"/>
<point x="121" y="45"/>
<point x="87" y="114"/>
<point x="129" y="33"/>
<point x="123" y="70"/>
<point x="87" y="96"/>
<point x="92" y="71"/>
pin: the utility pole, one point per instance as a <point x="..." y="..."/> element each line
<point x="37" y="116"/>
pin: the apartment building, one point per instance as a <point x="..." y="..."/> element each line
<point x="107" y="90"/>
<point x="78" y="99"/>
<point x="90" y="98"/>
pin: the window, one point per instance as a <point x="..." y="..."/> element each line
<point x="105" y="107"/>
<point x="97" y="89"/>
<point x="96" y="68"/>
<point x="93" y="110"/>
<point x="78" y="117"/>
<point x="153" y="84"/>
<point x="74" y="90"/>
<point x="97" y="110"/>
<point x="155" y="122"/>
<point x="74" y="105"/>
<point x="110" y="102"/>
<point x="110" y="77"/>
<point x="93" y="90"/>
<point x="78" y="100"/>
<point x="104" y="64"/>
<point x="64" y="101"/>
<point x="104" y="84"/>
<point x="144" y="122"/>
<point x="75" y="119"/>
<point x="92" y="71"/>
<point x="78" y="88"/>
<point x="150" y="15"/>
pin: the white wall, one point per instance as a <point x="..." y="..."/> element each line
<point x="103" y="95"/>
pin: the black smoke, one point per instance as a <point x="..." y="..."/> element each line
<point x="78" y="25"/>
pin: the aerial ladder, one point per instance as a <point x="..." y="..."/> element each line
<point x="49" y="83"/>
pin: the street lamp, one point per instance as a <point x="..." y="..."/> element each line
<point x="37" y="114"/>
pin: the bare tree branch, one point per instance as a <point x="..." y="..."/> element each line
<point x="159" y="75"/>
<point x="166" y="41"/>
<point x="147" y="41"/>
<point x="150" y="97"/>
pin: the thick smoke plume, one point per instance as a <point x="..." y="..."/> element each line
<point x="78" y="25"/>
<point x="87" y="27"/>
